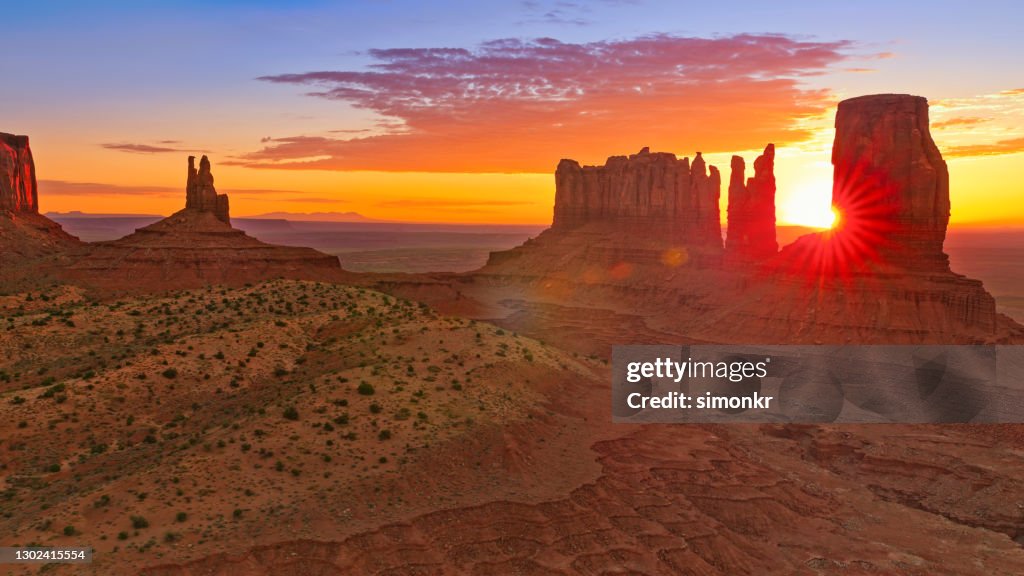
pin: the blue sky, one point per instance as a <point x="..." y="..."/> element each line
<point x="87" y="75"/>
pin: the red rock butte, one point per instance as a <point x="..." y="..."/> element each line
<point x="195" y="246"/>
<point x="890" y="178"/>
<point x="641" y="193"/>
<point x="641" y="236"/>
<point x="18" y="192"/>
<point x="24" y="233"/>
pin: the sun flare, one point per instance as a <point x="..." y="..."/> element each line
<point x="801" y="211"/>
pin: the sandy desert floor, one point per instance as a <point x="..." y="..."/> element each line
<point x="175" y="427"/>
<point x="232" y="431"/>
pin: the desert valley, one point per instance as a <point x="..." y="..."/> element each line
<point x="194" y="399"/>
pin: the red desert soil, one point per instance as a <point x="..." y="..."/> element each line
<point x="706" y="500"/>
<point x="302" y="428"/>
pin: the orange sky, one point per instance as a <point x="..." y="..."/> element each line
<point x="985" y="189"/>
<point x="363" y="108"/>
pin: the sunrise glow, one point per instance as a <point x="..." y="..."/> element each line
<point x="460" y="122"/>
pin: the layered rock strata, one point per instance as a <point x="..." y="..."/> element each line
<point x="18" y="192"/>
<point x="879" y="276"/>
<point x="643" y="191"/>
<point x="890" y="183"/>
<point x="25" y="235"/>
<point x="196" y="246"/>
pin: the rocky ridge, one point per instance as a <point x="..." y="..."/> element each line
<point x="880" y="275"/>
<point x="24" y="233"/>
<point x="641" y="192"/>
<point x="195" y="246"/>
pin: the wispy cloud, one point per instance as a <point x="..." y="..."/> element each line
<point x="1011" y="146"/>
<point x="983" y="125"/>
<point x="516" y="105"/>
<point x="299" y="199"/>
<point x="559" y="13"/>
<point x="958" y="121"/>
<point x="565" y="12"/>
<point x="65" y="188"/>
<point x="141" y="148"/>
<point x="449" y="203"/>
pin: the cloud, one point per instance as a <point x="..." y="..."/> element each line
<point x="959" y="121"/>
<point x="300" y="199"/>
<point x="142" y="148"/>
<point x="561" y="13"/>
<point x="449" y="203"/>
<point x="520" y="105"/>
<point x="1011" y="146"/>
<point x="983" y="125"/>
<point x="65" y="188"/>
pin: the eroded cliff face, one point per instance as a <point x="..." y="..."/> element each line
<point x="18" y="191"/>
<point x="751" y="229"/>
<point x="880" y="276"/>
<point x="890" y="184"/>
<point x="201" y="195"/>
<point x="25" y="235"/>
<point x="193" y="247"/>
<point x="644" y="191"/>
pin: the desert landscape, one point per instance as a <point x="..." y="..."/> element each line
<point x="325" y="289"/>
<point x="190" y="400"/>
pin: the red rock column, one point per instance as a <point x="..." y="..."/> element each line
<point x="18" y="189"/>
<point x="890" y="183"/>
<point x="751" y="226"/>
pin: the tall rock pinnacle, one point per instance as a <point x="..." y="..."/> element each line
<point x="751" y="227"/>
<point x="890" y="183"/>
<point x="200" y="193"/>
<point x="18" y="192"/>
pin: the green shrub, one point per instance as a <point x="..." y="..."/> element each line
<point x="366" y="389"/>
<point x="138" y="522"/>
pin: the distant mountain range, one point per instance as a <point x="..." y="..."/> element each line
<point x="314" y="217"/>
<point x="291" y="216"/>
<point x="79" y="214"/>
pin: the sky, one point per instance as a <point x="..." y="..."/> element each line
<point x="459" y="111"/>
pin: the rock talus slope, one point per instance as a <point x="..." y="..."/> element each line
<point x="24" y="233"/>
<point x="879" y="276"/>
<point x="196" y="246"/>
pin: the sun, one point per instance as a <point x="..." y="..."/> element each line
<point x="808" y="206"/>
<point x="804" y="214"/>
